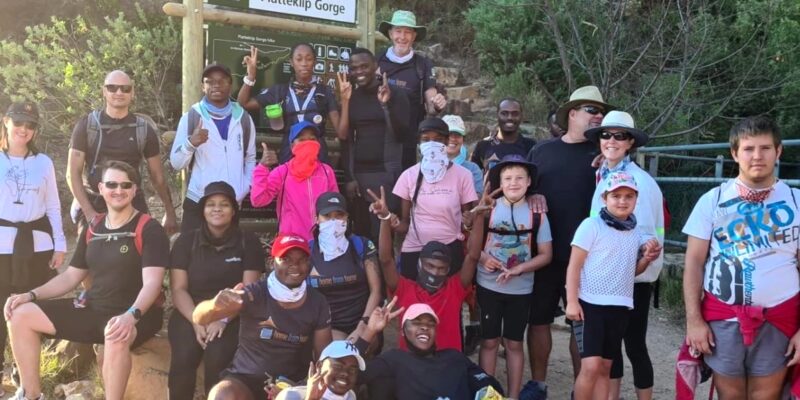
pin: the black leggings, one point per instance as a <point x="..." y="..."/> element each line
<point x="636" y="340"/>
<point x="40" y="273"/>
<point x="187" y="354"/>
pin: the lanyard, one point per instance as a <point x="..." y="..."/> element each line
<point x="301" y="112"/>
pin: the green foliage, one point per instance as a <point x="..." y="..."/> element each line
<point x="515" y="85"/>
<point x="61" y="65"/>
<point x="685" y="70"/>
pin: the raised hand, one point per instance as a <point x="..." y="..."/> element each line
<point x="487" y="200"/>
<point x="251" y="62"/>
<point x="199" y="135"/>
<point x="378" y="205"/>
<point x="268" y="157"/>
<point x="384" y="93"/>
<point x="315" y="387"/>
<point x="345" y="87"/>
<point x="381" y="316"/>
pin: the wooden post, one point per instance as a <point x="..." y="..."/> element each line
<point x="372" y="24"/>
<point x="193" y="43"/>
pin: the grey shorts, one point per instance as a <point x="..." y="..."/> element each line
<point x="731" y="357"/>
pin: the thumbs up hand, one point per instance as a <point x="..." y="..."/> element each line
<point x="268" y="157"/>
<point x="199" y="135"/>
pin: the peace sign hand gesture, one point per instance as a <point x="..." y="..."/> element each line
<point x="345" y="87"/>
<point x="315" y="386"/>
<point x="251" y="61"/>
<point x="381" y="316"/>
<point x="487" y="200"/>
<point x="378" y="205"/>
<point x="384" y="93"/>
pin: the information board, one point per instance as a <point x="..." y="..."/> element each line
<point x="329" y="10"/>
<point x="228" y="45"/>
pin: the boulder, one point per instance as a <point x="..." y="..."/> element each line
<point x="476" y="130"/>
<point x="446" y="76"/>
<point x="463" y="93"/>
<point x="458" y="107"/>
<point x="483" y="104"/>
<point x="76" y="390"/>
<point x="149" y="370"/>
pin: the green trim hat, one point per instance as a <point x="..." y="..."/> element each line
<point x="581" y="95"/>
<point x="403" y="18"/>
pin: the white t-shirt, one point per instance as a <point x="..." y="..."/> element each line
<point x="299" y="393"/>
<point x="510" y="249"/>
<point x="753" y="247"/>
<point x="608" y="272"/>
<point x="28" y="191"/>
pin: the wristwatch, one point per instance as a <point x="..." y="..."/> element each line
<point x="137" y="313"/>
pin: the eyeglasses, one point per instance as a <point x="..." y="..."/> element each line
<point x="27" y="124"/>
<point x="594" y="110"/>
<point x="618" y="136"/>
<point x="113" y="185"/>
<point x="114" y="88"/>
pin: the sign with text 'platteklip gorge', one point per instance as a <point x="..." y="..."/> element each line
<point x="331" y="10"/>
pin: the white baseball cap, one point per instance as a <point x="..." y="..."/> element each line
<point x="342" y="349"/>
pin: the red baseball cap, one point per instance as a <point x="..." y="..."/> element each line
<point x="287" y="241"/>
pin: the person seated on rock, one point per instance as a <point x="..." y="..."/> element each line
<point x="204" y="261"/>
<point x="424" y="371"/>
<point x="296" y="184"/>
<point x="125" y="252"/>
<point x="432" y="286"/>
<point x="281" y="323"/>
<point x="344" y="268"/>
<point x="333" y="377"/>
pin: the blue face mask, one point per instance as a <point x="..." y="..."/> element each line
<point x="461" y="157"/>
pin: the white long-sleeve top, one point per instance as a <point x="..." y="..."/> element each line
<point x="28" y="191"/>
<point x="217" y="159"/>
<point x="649" y="214"/>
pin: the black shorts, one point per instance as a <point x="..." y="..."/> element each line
<point x="548" y="284"/>
<point x="253" y="382"/>
<point x="86" y="325"/>
<point x="601" y="331"/>
<point x="503" y="314"/>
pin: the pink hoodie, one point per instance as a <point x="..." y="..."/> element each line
<point x="296" y="204"/>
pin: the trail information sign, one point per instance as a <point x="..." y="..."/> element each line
<point x="228" y="45"/>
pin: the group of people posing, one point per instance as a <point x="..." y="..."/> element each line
<point x="511" y="231"/>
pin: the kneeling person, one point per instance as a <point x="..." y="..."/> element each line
<point x="333" y="377"/>
<point x="125" y="252"/>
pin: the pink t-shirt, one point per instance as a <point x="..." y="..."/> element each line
<point x="437" y="214"/>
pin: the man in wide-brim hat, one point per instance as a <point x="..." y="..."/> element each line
<point x="411" y="72"/>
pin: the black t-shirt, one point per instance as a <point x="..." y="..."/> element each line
<point x="406" y="76"/>
<point x="374" y="149"/>
<point x="115" y="265"/>
<point x="119" y="144"/>
<point x="491" y="150"/>
<point x="275" y="340"/>
<point x="447" y="374"/>
<point x="211" y="269"/>
<point x="567" y="181"/>
<point x="343" y="282"/>
<point x="322" y="103"/>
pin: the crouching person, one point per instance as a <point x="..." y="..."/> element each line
<point x="125" y="252"/>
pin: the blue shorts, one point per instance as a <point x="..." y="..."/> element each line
<point x="730" y="357"/>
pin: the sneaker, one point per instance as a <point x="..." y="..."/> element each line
<point x="20" y="395"/>
<point x="533" y="390"/>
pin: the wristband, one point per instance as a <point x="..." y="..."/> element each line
<point x="33" y="295"/>
<point x="388" y="217"/>
<point x="247" y="81"/>
<point x="365" y="320"/>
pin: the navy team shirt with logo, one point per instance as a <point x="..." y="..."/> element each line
<point x="275" y="340"/>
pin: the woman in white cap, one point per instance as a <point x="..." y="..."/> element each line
<point x="457" y="152"/>
<point x="410" y="71"/>
<point x="32" y="242"/>
<point x="618" y="137"/>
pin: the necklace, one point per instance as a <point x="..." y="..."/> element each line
<point x="17" y="175"/>
<point x="109" y="226"/>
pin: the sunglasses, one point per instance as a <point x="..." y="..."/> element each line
<point x="27" y="124"/>
<point x="113" y="185"/>
<point x="114" y="88"/>
<point x="594" y="110"/>
<point x="618" y="136"/>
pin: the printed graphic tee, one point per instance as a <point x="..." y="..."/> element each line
<point x="753" y="247"/>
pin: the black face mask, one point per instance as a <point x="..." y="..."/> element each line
<point x="430" y="282"/>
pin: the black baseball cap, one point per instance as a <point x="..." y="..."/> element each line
<point x="435" y="250"/>
<point x="434" y="124"/>
<point x="329" y="202"/>
<point x="219" y="187"/>
<point x="25" y="111"/>
<point x="217" y="67"/>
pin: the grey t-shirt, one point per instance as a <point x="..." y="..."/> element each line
<point x="512" y="249"/>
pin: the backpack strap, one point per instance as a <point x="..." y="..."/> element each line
<point x="94" y="137"/>
<point x="247" y="125"/>
<point x="192" y="119"/>
<point x="92" y="225"/>
<point x="138" y="239"/>
<point x="143" y="121"/>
